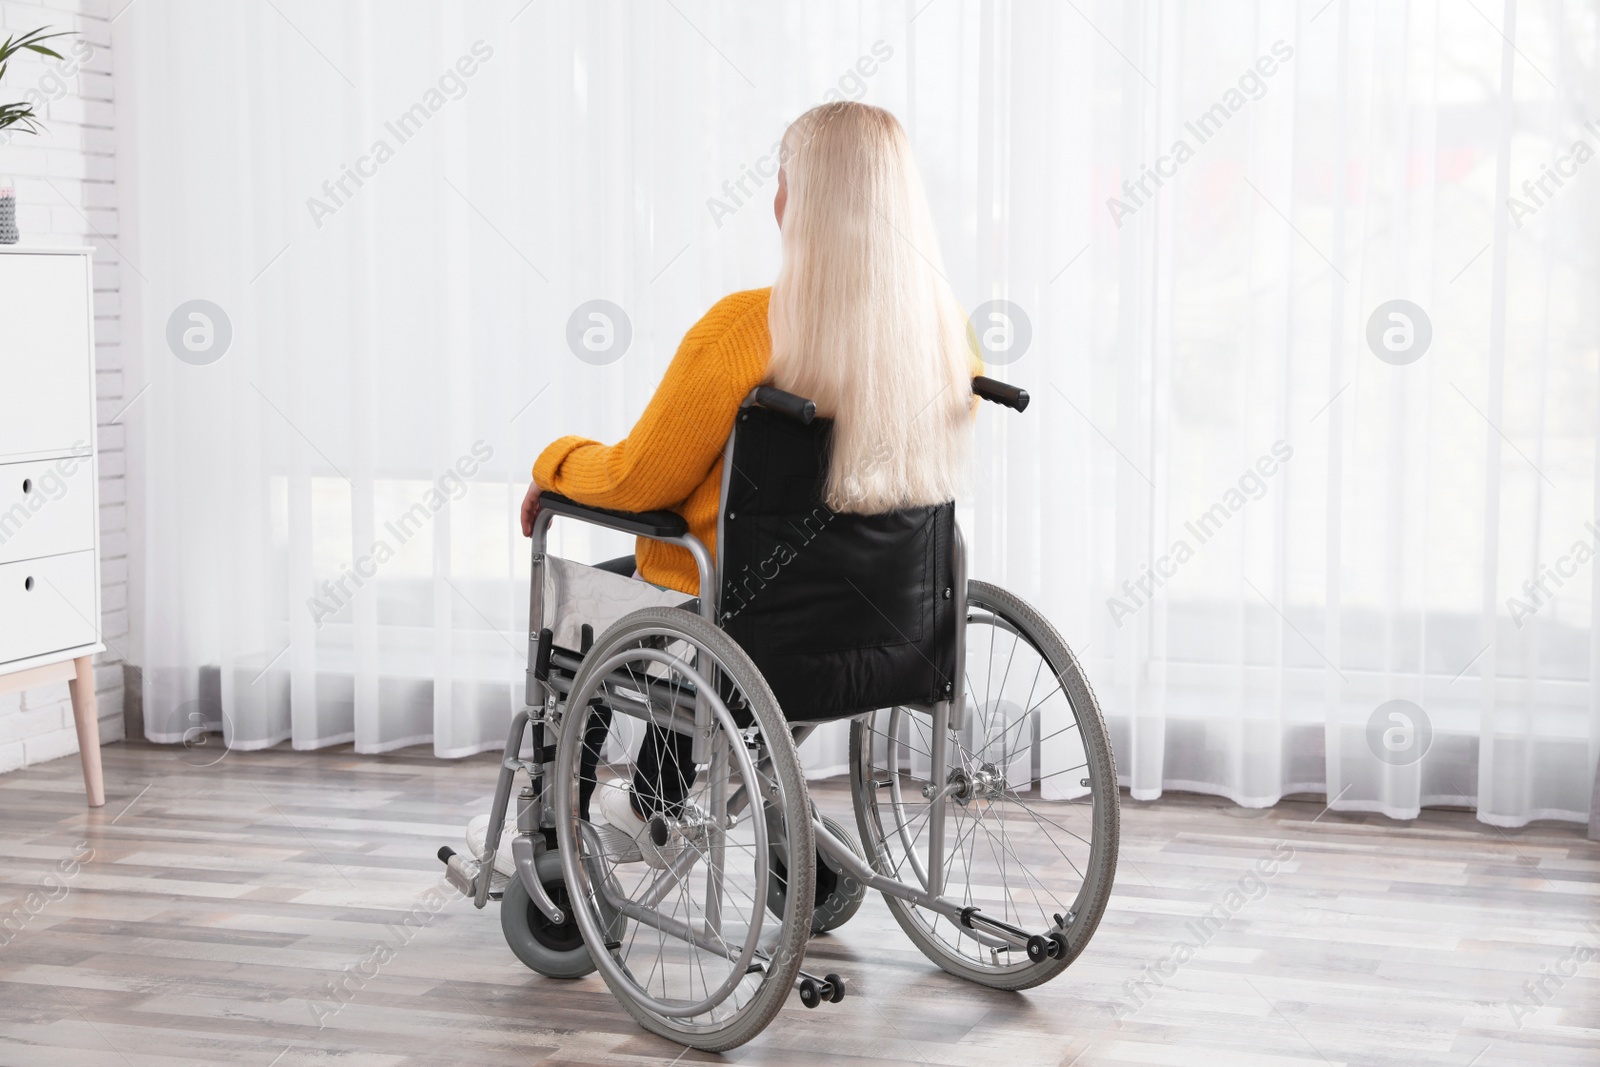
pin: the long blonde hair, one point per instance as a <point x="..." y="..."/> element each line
<point x="862" y="319"/>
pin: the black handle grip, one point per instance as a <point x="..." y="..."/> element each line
<point x="541" y="655"/>
<point x="796" y="407"/>
<point x="1000" y="393"/>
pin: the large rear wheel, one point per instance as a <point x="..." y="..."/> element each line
<point x="1031" y="816"/>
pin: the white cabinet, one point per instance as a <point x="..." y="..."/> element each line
<point x="49" y="487"/>
<point x="46" y="355"/>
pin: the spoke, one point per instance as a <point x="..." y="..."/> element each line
<point x="1016" y="639"/>
<point x="971" y="838"/>
<point x="1005" y="836"/>
<point x="661" y="951"/>
<point x="999" y="863"/>
<point x="988" y="674"/>
<point x="1033" y="686"/>
<point x="1064" y="770"/>
<point x="1025" y="715"/>
<point x="1027" y="873"/>
<point x="895" y="741"/>
<point x="966" y="892"/>
<point x="1040" y="819"/>
<point x="633" y="935"/>
<point x="899" y="827"/>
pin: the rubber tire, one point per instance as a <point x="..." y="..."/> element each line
<point x="789" y="952"/>
<point x="528" y="931"/>
<point x="1090" y="903"/>
<point x="834" y="907"/>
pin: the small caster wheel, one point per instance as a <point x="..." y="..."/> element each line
<point x="837" y="985"/>
<point x="1038" y="948"/>
<point x="555" y="951"/>
<point x="810" y="994"/>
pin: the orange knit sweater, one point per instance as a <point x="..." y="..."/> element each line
<point x="673" y="457"/>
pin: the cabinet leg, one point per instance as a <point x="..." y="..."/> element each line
<point x="85" y="712"/>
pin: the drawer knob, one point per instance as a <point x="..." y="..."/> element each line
<point x="27" y="584"/>
<point x="27" y="486"/>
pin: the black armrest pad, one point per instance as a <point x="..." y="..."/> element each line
<point x="657" y="524"/>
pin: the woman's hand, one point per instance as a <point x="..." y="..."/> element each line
<point x="530" y="509"/>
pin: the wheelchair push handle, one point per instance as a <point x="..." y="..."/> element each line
<point x="1000" y="393"/>
<point x="796" y="407"/>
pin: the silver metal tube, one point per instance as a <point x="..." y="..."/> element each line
<point x="700" y="750"/>
<point x="533" y="692"/>
<point x="497" y="813"/>
<point x="908" y="840"/>
<point x="547" y="738"/>
<point x="683" y="931"/>
<point x="708" y="573"/>
<point x="844" y="856"/>
<point x="940" y="758"/>
<point x="716" y="861"/>
<point x="681" y="723"/>
<point x="682" y="696"/>
<point x="708" y="611"/>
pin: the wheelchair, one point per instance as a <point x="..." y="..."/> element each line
<point x="983" y="783"/>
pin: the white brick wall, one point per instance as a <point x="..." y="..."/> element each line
<point x="66" y="191"/>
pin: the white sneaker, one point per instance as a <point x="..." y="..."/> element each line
<point x="616" y="806"/>
<point x="477" y="838"/>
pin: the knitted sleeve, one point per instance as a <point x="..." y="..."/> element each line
<point x="679" y="438"/>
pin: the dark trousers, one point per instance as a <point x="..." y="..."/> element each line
<point x="664" y="770"/>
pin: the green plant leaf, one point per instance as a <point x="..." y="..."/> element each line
<point x="21" y="115"/>
<point x="30" y="41"/>
<point x="18" y="115"/>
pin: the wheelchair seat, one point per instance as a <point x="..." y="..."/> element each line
<point x="842" y="613"/>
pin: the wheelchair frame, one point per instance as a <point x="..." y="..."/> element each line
<point x="544" y="696"/>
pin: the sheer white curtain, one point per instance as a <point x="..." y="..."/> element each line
<point x="1260" y="499"/>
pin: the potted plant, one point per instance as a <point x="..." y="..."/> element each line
<point x="20" y="115"/>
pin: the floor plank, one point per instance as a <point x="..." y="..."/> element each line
<point x="202" y="915"/>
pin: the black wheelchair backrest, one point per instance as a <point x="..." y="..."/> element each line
<point x="842" y="613"/>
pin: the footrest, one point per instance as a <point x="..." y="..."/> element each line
<point x="618" y="844"/>
<point x="460" y="870"/>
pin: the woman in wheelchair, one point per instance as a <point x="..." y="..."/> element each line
<point x="794" y="474"/>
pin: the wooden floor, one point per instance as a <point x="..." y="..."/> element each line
<point x="201" y="917"/>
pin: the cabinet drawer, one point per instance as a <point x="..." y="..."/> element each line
<point x="47" y="605"/>
<point x="46" y="508"/>
<point x="47" y="404"/>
